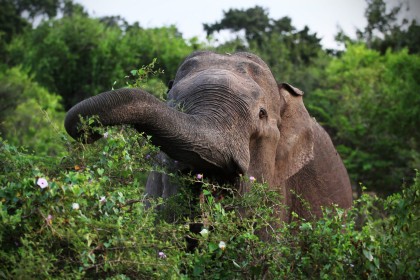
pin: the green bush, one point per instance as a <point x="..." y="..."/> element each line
<point x="30" y="115"/>
<point x="368" y="105"/>
<point x="78" y="57"/>
<point x="90" y="221"/>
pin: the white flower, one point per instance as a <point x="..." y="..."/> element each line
<point x="222" y="245"/>
<point x="252" y="179"/>
<point x="75" y="206"/>
<point x="49" y="219"/>
<point x="42" y="183"/>
<point x="199" y="176"/>
<point x="106" y="135"/>
<point x="162" y="255"/>
<point x="204" y="232"/>
<point x="102" y="199"/>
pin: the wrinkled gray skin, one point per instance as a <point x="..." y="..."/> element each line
<point x="226" y="116"/>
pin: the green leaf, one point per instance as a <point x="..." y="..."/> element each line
<point x="206" y="192"/>
<point x="213" y="247"/>
<point x="91" y="257"/>
<point x="376" y="262"/>
<point x="306" y="226"/>
<point x="368" y="254"/>
<point x="236" y="264"/>
<point x="198" y="269"/>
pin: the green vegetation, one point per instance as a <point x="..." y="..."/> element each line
<point x="370" y="105"/>
<point x="79" y="56"/>
<point x="70" y="210"/>
<point x="84" y="216"/>
<point x="30" y="116"/>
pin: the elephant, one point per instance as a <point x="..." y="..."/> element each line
<point x="227" y="117"/>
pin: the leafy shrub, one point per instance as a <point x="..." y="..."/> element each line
<point x="368" y="107"/>
<point x="78" y="57"/>
<point x="30" y="115"/>
<point x="91" y="221"/>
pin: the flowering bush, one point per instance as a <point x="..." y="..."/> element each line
<point x="84" y="216"/>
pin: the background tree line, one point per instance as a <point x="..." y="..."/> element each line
<point x="367" y="96"/>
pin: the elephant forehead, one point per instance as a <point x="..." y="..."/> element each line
<point x="212" y="80"/>
<point x="244" y="64"/>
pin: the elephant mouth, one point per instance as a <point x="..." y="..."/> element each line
<point x="231" y="178"/>
<point x="215" y="175"/>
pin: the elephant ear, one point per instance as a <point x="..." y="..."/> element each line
<point x="296" y="145"/>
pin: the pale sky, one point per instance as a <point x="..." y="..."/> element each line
<point x="321" y="16"/>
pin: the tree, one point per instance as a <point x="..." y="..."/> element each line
<point x="164" y="43"/>
<point x="30" y="116"/>
<point x="17" y="15"/>
<point x="259" y="29"/>
<point x="74" y="56"/>
<point x="77" y="56"/>
<point x="370" y="106"/>
<point x="11" y="23"/>
<point x="70" y="9"/>
<point x="387" y="29"/>
<point x="378" y="19"/>
<point x="114" y="21"/>
<point x="368" y="100"/>
<point x="254" y="21"/>
<point x="292" y="54"/>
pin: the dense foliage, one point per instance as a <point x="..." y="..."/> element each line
<point x="30" y="116"/>
<point x="386" y="30"/>
<point x="84" y="215"/>
<point x="78" y="56"/>
<point x="69" y="210"/>
<point x="370" y="105"/>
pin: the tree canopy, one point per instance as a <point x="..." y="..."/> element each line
<point x="387" y="29"/>
<point x="369" y="104"/>
<point x="260" y="28"/>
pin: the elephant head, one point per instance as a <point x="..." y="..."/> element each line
<point x="226" y="116"/>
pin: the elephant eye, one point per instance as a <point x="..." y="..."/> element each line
<point x="263" y="113"/>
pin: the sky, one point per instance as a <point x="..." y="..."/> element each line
<point x="324" y="17"/>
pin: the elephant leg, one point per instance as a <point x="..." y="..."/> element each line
<point x="154" y="185"/>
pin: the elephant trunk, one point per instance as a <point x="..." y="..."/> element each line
<point x="184" y="137"/>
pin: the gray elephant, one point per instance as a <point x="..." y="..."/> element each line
<point x="227" y="117"/>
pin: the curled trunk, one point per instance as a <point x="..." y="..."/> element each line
<point x="185" y="137"/>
